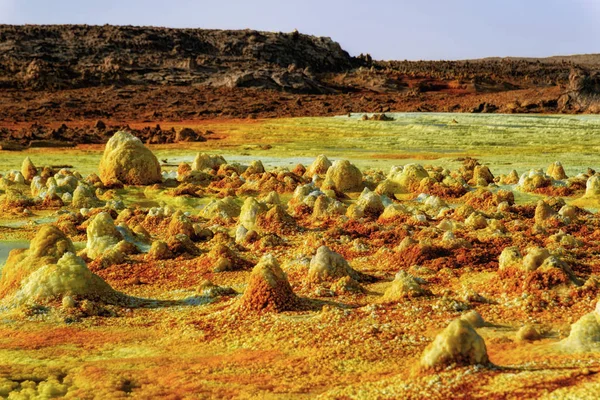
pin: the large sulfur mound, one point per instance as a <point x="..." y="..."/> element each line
<point x="49" y="270"/>
<point x="48" y="246"/>
<point x="127" y="160"/>
<point x="268" y="288"/>
<point x="458" y="344"/>
<point x="70" y="276"/>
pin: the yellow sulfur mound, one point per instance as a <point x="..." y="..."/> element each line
<point x="458" y="344"/>
<point x="48" y="270"/>
<point x="127" y="160"/>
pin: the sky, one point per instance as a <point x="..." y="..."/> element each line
<point x="386" y="29"/>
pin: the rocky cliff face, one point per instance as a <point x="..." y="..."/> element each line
<point x="583" y="91"/>
<point x="76" y="56"/>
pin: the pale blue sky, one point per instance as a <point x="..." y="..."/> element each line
<point x="401" y="29"/>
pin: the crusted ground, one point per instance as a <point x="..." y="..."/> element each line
<point x="190" y="329"/>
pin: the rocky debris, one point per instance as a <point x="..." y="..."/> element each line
<point x="377" y="117"/>
<point x="538" y="260"/>
<point x="327" y="265"/>
<point x="268" y="288"/>
<point x="457" y="345"/>
<point x="534" y="179"/>
<point x="38" y="135"/>
<point x="128" y="161"/>
<point x="403" y="286"/>
<point x="485" y="108"/>
<point x="344" y="176"/>
<point x="189" y="135"/>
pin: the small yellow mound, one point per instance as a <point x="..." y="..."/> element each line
<point x="458" y="344"/>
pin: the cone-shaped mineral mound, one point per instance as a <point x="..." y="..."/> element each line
<point x="268" y="289"/>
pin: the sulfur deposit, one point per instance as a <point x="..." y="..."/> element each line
<point x="459" y="344"/>
<point x="344" y="176"/>
<point x="327" y="265"/>
<point x="128" y="161"/>
<point x="49" y="270"/>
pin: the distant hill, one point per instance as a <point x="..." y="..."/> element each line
<point x="580" y="59"/>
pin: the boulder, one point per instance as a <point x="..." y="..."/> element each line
<point x="85" y="197"/>
<point x="249" y="213"/>
<point x="47" y="247"/>
<point x="70" y="276"/>
<point x="592" y="186"/>
<point x="510" y="258"/>
<point x="370" y="202"/>
<point x="50" y="270"/>
<point x="407" y="176"/>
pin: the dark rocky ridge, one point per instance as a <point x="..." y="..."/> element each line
<point x="78" y="56"/>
